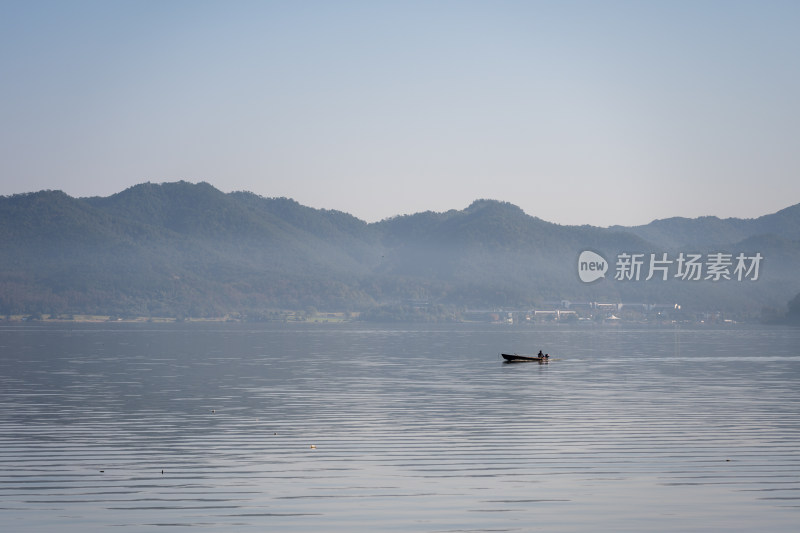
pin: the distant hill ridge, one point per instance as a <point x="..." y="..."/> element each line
<point x="189" y="249"/>
<point x="704" y="231"/>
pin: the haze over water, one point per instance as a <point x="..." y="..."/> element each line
<point x="301" y="427"/>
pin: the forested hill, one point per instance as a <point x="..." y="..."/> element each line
<point x="710" y="231"/>
<point x="182" y="249"/>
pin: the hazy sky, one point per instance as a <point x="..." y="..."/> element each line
<point x="598" y="112"/>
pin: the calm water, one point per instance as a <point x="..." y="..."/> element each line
<point x="359" y="428"/>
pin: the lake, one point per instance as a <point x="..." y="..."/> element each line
<point x="353" y="427"/>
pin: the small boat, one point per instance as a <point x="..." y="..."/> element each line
<point x="514" y="358"/>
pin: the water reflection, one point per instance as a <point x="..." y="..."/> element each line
<point x="348" y="428"/>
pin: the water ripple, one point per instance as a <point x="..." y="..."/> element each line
<point x="353" y="428"/>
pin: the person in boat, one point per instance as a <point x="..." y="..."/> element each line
<point x="540" y="354"/>
<point x="547" y="356"/>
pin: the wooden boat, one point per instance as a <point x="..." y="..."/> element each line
<point x="514" y="358"/>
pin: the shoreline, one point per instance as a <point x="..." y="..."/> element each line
<point x="285" y="316"/>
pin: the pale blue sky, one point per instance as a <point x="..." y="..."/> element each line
<point x="615" y="112"/>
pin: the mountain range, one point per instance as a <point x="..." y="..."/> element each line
<point x="184" y="249"/>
